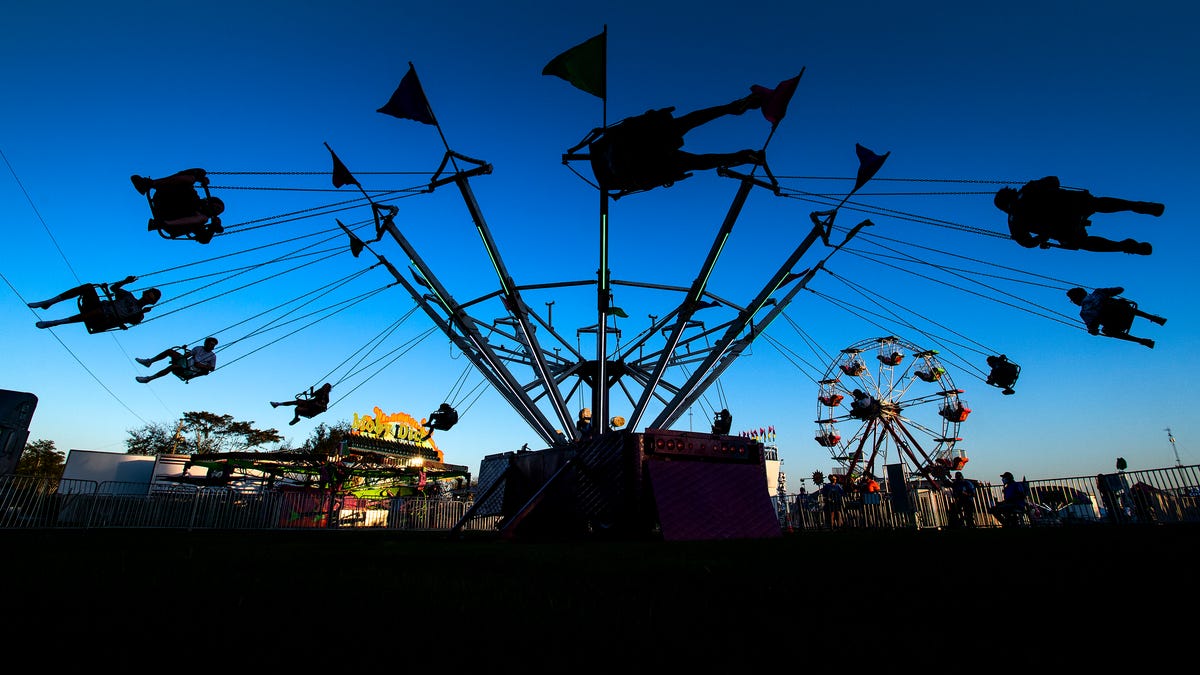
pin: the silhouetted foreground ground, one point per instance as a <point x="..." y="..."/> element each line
<point x="371" y="600"/>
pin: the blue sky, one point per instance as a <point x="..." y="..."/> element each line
<point x="965" y="99"/>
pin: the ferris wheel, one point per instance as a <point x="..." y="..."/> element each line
<point x="887" y="401"/>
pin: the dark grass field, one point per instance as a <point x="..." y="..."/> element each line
<point x="315" y="597"/>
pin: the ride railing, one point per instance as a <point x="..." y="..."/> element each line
<point x="34" y="503"/>
<point x="1153" y="496"/>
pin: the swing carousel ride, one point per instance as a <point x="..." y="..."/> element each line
<point x="914" y="412"/>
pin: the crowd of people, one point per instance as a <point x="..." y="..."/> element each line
<point x="841" y="502"/>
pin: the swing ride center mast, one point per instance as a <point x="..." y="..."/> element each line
<point x="550" y="368"/>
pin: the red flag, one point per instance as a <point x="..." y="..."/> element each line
<point x="775" y="101"/>
<point x="341" y="175"/>
<point x="868" y="164"/>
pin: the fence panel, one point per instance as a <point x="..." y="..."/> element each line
<point x="1153" y="496"/>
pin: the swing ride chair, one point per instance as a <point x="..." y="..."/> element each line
<point x="642" y="169"/>
<point x="93" y="327"/>
<point x="1004" y="375"/>
<point x="307" y="406"/>
<point x="1117" y="316"/>
<point x="185" y="368"/>
<point x="442" y="419"/>
<point x="905" y="422"/>
<point x="165" y="228"/>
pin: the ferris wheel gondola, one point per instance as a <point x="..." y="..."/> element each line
<point x="902" y="407"/>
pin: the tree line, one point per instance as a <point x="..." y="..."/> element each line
<point x="195" y="433"/>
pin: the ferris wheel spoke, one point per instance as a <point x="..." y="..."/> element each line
<point x="913" y="443"/>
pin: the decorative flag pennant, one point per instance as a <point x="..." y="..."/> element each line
<point x="341" y="175"/>
<point x="583" y="65"/>
<point x="421" y="280"/>
<point x="383" y="213"/>
<point x="408" y="102"/>
<point x="775" y="101"/>
<point x="356" y="244"/>
<point x="824" y="221"/>
<point x="868" y="164"/>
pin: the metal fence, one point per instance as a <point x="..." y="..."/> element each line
<point x="32" y="503"/>
<point x="1170" y="495"/>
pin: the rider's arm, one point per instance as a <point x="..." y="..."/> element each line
<point x="118" y="284"/>
<point x="198" y="175"/>
<point x="1020" y="234"/>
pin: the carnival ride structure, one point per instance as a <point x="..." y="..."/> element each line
<point x="664" y="369"/>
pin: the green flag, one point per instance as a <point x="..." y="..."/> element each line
<point x="583" y="66"/>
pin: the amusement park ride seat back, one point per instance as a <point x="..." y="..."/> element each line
<point x="185" y="368"/>
<point x="1004" y="373"/>
<point x="108" y="319"/>
<point x="179" y="211"/>
<point x="443" y="418"/>
<point x="636" y="154"/>
<point x="1116" y="318"/>
<point x="722" y="422"/>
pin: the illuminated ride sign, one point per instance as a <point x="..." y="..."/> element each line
<point x="401" y="433"/>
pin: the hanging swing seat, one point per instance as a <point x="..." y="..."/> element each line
<point x="1004" y="373"/>
<point x="442" y="419"/>
<point x="108" y="320"/>
<point x="179" y="211"/>
<point x="636" y="154"/>
<point x="185" y="368"/>
<point x="308" y="406"/>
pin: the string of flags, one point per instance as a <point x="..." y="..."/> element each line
<point x="761" y="434"/>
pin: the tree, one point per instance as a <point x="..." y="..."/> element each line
<point x="327" y="439"/>
<point x="41" y="460"/>
<point x="153" y="439"/>
<point x="199" y="433"/>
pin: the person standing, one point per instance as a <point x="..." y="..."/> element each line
<point x="833" y="498"/>
<point x="962" y="504"/>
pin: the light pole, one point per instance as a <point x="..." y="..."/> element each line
<point x="1173" y="448"/>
